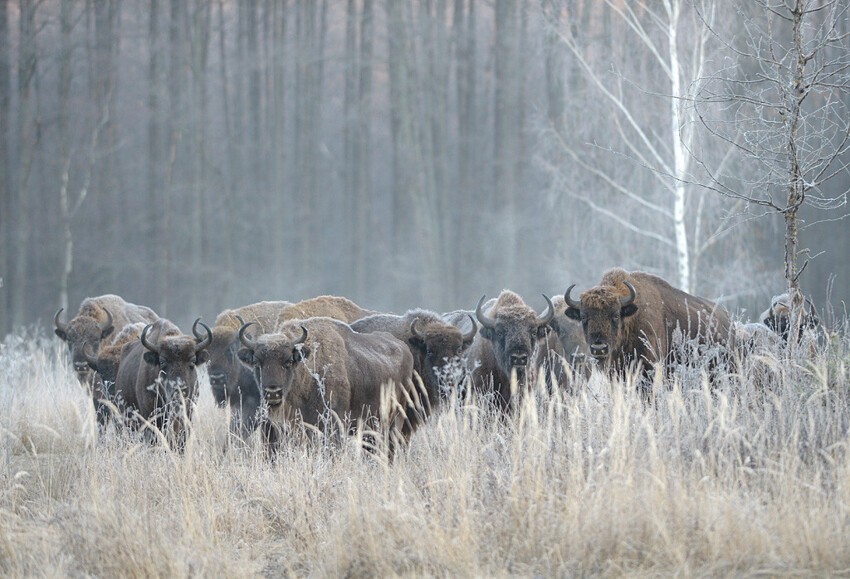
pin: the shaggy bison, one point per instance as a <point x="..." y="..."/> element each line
<point x="778" y="317"/>
<point x="320" y="369"/>
<point x="335" y="307"/>
<point x="631" y="317"/>
<point x="231" y="382"/>
<point x="436" y="345"/>
<point x="158" y="381"/>
<point x="506" y="345"/>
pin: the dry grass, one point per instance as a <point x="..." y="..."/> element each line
<point x="746" y="479"/>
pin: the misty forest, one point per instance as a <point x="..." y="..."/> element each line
<point x="232" y="165"/>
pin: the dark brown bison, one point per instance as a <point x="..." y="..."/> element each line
<point x="231" y="382"/>
<point x="96" y="319"/>
<point x="437" y="348"/>
<point x="157" y="378"/>
<point x="506" y="344"/>
<point x="105" y="364"/>
<point x="778" y="317"/>
<point x="319" y="369"/>
<point x="564" y="352"/>
<point x="632" y="318"/>
<point x="335" y="307"/>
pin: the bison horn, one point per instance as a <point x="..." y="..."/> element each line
<point x="414" y="330"/>
<point x="547" y="315"/>
<point x="488" y="323"/>
<point x="108" y="324"/>
<point x="144" y="339"/>
<point x="195" y="332"/>
<point x="246" y="341"/>
<point x="303" y="337"/>
<point x="205" y="341"/>
<point x="241" y="321"/>
<point x="570" y="301"/>
<point x="468" y="337"/>
<point x="59" y="325"/>
<point x="632" y="295"/>
<point x="89" y="355"/>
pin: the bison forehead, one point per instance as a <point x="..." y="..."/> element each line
<point x="82" y="329"/>
<point x="518" y="315"/>
<point x="177" y="348"/>
<point x="600" y="298"/>
<point x="274" y="347"/>
<point x="444" y="341"/>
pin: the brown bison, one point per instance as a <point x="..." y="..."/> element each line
<point x="436" y="345"/>
<point x="631" y="318"/>
<point x="96" y="319"/>
<point x="564" y="352"/>
<point x="319" y="369"/>
<point x="105" y="364"/>
<point x="506" y="344"/>
<point x="157" y="378"/>
<point x="231" y="382"/>
<point x="335" y="307"/>
<point x="778" y="317"/>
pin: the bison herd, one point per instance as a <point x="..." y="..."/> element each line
<point x="326" y="364"/>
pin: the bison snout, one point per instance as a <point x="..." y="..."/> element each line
<point x="599" y="350"/>
<point x="218" y="379"/>
<point x="520" y="359"/>
<point x="273" y="395"/>
<point x="81" y="367"/>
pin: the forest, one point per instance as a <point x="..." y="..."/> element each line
<point x="202" y="154"/>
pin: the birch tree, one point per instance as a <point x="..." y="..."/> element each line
<point x="653" y="124"/>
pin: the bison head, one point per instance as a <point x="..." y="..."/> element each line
<point x="224" y="366"/>
<point x="602" y="312"/>
<point x="441" y="346"/>
<point x="82" y="330"/>
<point x="105" y="362"/>
<point x="778" y="316"/>
<point x="513" y="329"/>
<point x="177" y="358"/>
<point x="274" y="359"/>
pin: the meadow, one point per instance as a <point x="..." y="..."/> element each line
<point x="749" y="477"/>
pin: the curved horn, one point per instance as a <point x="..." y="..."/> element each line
<point x="59" y="325"/>
<point x="89" y="354"/>
<point x="414" y="330"/>
<point x="468" y="337"/>
<point x="108" y="322"/>
<point x="489" y="323"/>
<point x="570" y="301"/>
<point x="241" y="321"/>
<point x="144" y="339"/>
<point x="303" y="337"/>
<point x="204" y="342"/>
<point x="632" y="295"/>
<point x="547" y="315"/>
<point x="195" y="332"/>
<point x="246" y="341"/>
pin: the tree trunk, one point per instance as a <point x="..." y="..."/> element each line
<point x="365" y="219"/>
<point x="6" y="189"/>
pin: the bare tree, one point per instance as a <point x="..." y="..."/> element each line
<point x="6" y="236"/>
<point x="653" y="124"/>
<point x="783" y="103"/>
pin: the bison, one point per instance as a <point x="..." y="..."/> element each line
<point x="335" y="307"/>
<point x="564" y="352"/>
<point x="436" y="345"/>
<point x="631" y="318"/>
<point x="231" y="382"/>
<point x="157" y="379"/>
<point x="778" y="317"/>
<point x="319" y="365"/>
<point x="96" y="319"/>
<point x="506" y="344"/>
<point x="105" y="363"/>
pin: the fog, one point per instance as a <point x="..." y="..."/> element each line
<point x="199" y="155"/>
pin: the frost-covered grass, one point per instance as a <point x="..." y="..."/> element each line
<point x="750" y="478"/>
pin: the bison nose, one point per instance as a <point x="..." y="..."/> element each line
<point x="217" y="379"/>
<point x="273" y="395"/>
<point x="599" y="349"/>
<point x="81" y="366"/>
<point x="519" y="359"/>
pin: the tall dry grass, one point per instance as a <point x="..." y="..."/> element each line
<point x="748" y="477"/>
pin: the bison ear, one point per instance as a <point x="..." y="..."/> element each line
<point x="92" y="365"/>
<point x="573" y="314"/>
<point x="417" y="343"/>
<point x="107" y="331"/>
<point x="300" y="352"/>
<point x="151" y="358"/>
<point x="61" y="334"/>
<point x="246" y="355"/>
<point x="487" y="333"/>
<point x="543" y="330"/>
<point x="628" y="310"/>
<point x="201" y="357"/>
